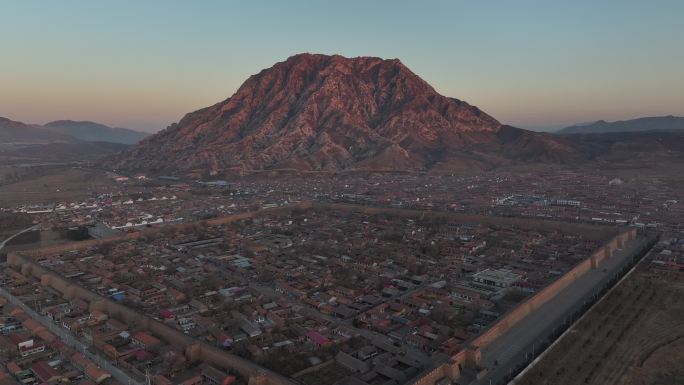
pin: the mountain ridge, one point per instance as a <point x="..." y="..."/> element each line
<point x="652" y="123"/>
<point x="65" y="131"/>
<point x="12" y="131"/>
<point x="95" y="132"/>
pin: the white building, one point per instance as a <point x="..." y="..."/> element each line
<point x="496" y="277"/>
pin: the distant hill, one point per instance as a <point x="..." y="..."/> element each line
<point x="61" y="141"/>
<point x="65" y="131"/>
<point x="95" y="132"/>
<point x="21" y="133"/>
<point x="660" y="123"/>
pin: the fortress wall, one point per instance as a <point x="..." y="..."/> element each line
<point x="549" y="292"/>
<point x="154" y="231"/>
<point x="451" y="369"/>
<point x="433" y="376"/>
<point x="613" y="245"/>
<point x="597" y="257"/>
<point x="625" y="237"/>
<point x="221" y="358"/>
<point x="589" y="231"/>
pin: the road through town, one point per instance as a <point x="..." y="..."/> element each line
<point x="71" y="341"/>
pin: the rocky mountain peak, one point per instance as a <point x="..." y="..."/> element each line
<point x="321" y="112"/>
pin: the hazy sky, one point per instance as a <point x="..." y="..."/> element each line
<point x="534" y="64"/>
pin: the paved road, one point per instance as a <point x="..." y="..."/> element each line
<point x="532" y="334"/>
<point x="70" y="340"/>
<point x="3" y="243"/>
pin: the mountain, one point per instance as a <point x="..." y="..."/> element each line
<point x="319" y="112"/>
<point x="31" y="143"/>
<point x="660" y="123"/>
<point x="21" y="133"/>
<point x="95" y="132"/>
<point x="65" y="131"/>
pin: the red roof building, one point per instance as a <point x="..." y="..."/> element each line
<point x="44" y="371"/>
<point x="317" y="338"/>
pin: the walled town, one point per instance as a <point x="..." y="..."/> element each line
<point x="340" y="281"/>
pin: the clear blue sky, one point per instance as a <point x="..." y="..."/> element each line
<point x="534" y="64"/>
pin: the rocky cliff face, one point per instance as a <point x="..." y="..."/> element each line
<point x="319" y="112"/>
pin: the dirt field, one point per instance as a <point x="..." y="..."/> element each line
<point x="10" y="223"/>
<point x="634" y="337"/>
<point x="66" y="184"/>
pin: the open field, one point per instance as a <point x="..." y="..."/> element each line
<point x="64" y="184"/>
<point x="39" y="153"/>
<point x="10" y="223"/>
<point x="633" y="337"/>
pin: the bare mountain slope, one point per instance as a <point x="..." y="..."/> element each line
<point x="319" y="112"/>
